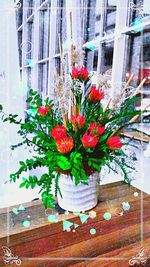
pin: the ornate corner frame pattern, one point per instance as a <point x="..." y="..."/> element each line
<point x="9" y="257"/>
<point x="141" y="258"/>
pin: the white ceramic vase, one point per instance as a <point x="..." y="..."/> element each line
<point x="79" y="197"/>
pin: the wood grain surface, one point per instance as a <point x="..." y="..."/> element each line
<point x="137" y="136"/>
<point x="46" y="244"/>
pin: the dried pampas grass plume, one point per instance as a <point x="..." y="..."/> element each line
<point x="61" y="94"/>
<point x="77" y="57"/>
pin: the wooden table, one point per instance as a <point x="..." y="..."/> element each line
<point x="116" y="240"/>
<point x="137" y="136"/>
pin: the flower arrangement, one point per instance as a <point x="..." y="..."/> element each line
<point x="78" y="141"/>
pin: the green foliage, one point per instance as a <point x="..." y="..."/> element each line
<point x="35" y="132"/>
<point x="1" y="108"/>
<point x="29" y="99"/>
<point x="63" y="163"/>
<point x="77" y="169"/>
<point x="48" y="200"/>
<point x="96" y="164"/>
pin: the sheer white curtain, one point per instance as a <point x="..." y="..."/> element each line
<point x="146" y="6"/>
<point x="13" y="102"/>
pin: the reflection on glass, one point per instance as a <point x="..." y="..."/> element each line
<point x="29" y="51"/>
<point x="30" y="8"/>
<point x="61" y="27"/>
<point x="44" y="32"/>
<point x="43" y="78"/>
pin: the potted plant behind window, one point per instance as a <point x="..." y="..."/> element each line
<point x="73" y="140"/>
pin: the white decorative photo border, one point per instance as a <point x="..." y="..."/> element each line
<point x="142" y="256"/>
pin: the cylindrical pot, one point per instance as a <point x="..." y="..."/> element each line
<point x="79" y="197"/>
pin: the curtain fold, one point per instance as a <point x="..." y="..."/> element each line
<point x="11" y="99"/>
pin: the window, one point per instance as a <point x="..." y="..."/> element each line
<point x="97" y="27"/>
<point x="19" y="15"/>
<point x="43" y="78"/>
<point x="29" y="46"/>
<point x="29" y="73"/>
<point x="19" y="47"/>
<point x="44" y="31"/>
<point x="30" y="7"/>
<point x="61" y="33"/>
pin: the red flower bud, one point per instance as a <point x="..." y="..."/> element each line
<point x="96" y="94"/>
<point x="89" y="141"/>
<point x="78" y="120"/>
<point x="96" y="128"/>
<point x="114" y="142"/>
<point x="65" y="144"/>
<point x="75" y="73"/>
<point x="83" y="74"/>
<point x="43" y="110"/>
<point x="58" y="131"/>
